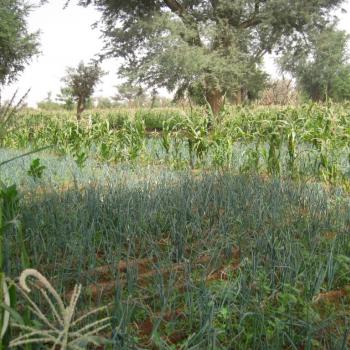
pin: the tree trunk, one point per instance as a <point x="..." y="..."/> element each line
<point x="215" y="99"/>
<point x="238" y="97"/>
<point x="241" y="96"/>
<point x="80" y="108"/>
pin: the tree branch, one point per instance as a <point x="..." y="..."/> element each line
<point x="175" y="7"/>
<point x="187" y="20"/>
<point x="253" y="20"/>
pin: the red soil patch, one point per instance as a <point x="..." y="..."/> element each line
<point x="217" y="268"/>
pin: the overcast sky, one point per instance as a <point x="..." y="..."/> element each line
<point x="67" y="38"/>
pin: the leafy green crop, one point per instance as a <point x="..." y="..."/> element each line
<point x="36" y="169"/>
<point x="309" y="141"/>
<point x="231" y="235"/>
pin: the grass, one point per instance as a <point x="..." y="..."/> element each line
<point x="196" y="256"/>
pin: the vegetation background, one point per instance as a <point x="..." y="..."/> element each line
<point x="215" y="219"/>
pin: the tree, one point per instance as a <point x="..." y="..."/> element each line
<point x="66" y="97"/>
<point x="104" y="103"/>
<point x="279" y="92"/>
<point x="217" y="43"/>
<point x="17" y="45"/>
<point x="81" y="83"/>
<point x="323" y="70"/>
<point x="130" y="94"/>
<point x="48" y="104"/>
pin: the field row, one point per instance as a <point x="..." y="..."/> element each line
<point x="309" y="141"/>
<point x="196" y="260"/>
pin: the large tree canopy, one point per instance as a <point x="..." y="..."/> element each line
<point x="219" y="43"/>
<point x="323" y="70"/>
<point x="17" y="45"/>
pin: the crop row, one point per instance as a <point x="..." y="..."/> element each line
<point x="206" y="261"/>
<point x="310" y="140"/>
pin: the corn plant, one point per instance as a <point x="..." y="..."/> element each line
<point x="274" y="154"/>
<point x="196" y="133"/>
<point x="285" y="136"/>
<point x="292" y="152"/>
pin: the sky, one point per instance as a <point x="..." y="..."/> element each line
<point x="66" y="38"/>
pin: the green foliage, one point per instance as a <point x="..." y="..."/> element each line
<point x="80" y="158"/>
<point x="104" y="103"/>
<point x="9" y="224"/>
<point x="196" y="92"/>
<point x="325" y="71"/>
<point x="48" y="105"/>
<point x="67" y="98"/>
<point x="308" y="141"/>
<point x="217" y="44"/>
<point x="242" y="254"/>
<point x="156" y="119"/>
<point x="8" y="112"/>
<point x="80" y="84"/>
<point x="255" y="83"/>
<point x="132" y="95"/>
<point x="265" y="297"/>
<point x="17" y="45"/>
<point x="36" y="169"/>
